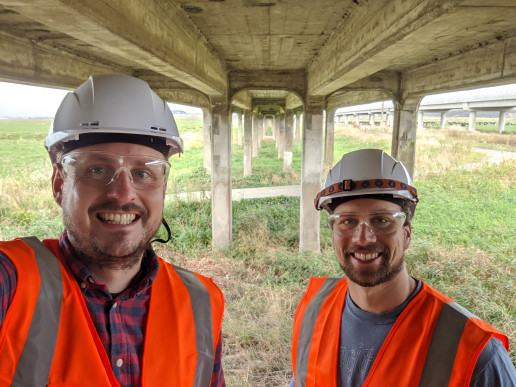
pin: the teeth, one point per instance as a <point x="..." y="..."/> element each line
<point x="366" y="257"/>
<point x="117" y="218"/>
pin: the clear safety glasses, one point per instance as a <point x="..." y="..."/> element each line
<point x="98" y="168"/>
<point x="379" y="223"/>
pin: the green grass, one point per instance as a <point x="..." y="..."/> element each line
<point x="463" y="232"/>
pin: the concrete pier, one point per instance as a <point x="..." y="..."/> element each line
<point x="329" y="138"/>
<point x="311" y="167"/>
<point x="287" y="154"/>
<point x="403" y="146"/>
<point x="221" y="209"/>
<point x="248" y="143"/>
<point x="206" y="119"/>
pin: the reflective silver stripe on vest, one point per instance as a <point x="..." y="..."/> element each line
<point x="443" y="347"/>
<point x="307" y="329"/>
<point x="36" y="359"/>
<point x="201" y="306"/>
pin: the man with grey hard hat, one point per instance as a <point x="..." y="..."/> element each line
<point x="377" y="325"/>
<point x="98" y="307"/>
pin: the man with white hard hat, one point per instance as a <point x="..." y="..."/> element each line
<point x="379" y="326"/>
<point x="98" y="307"/>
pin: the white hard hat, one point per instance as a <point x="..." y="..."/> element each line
<point x="367" y="172"/>
<point x="115" y="107"/>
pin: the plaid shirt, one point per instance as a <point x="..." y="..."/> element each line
<point x="120" y="319"/>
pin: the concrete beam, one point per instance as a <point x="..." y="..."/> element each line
<point x="136" y="34"/>
<point x="189" y="97"/>
<point x="490" y="65"/>
<point x="356" y="97"/>
<point x="269" y="101"/>
<point x="24" y="61"/>
<point x="384" y="30"/>
<point x="294" y="81"/>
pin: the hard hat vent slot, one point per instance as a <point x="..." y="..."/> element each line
<point x="158" y="128"/>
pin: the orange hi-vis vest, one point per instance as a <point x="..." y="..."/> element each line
<point x="434" y="341"/>
<point x="48" y="337"/>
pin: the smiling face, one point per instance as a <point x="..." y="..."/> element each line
<point x="368" y="259"/>
<point x="110" y="226"/>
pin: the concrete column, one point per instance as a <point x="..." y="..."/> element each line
<point x="274" y="129"/>
<point x="371" y="119"/>
<point x="221" y="205"/>
<point x="420" y="119"/>
<point x="289" y="133"/>
<point x="281" y="135"/>
<point x="255" y="134"/>
<point x="298" y="128"/>
<point x="443" y="120"/>
<point x="261" y="130"/>
<point x="239" y="116"/>
<point x="501" y="122"/>
<point x="403" y="146"/>
<point x="311" y="168"/>
<point x="248" y="142"/>
<point x="346" y="119"/>
<point x="357" y="119"/>
<point x="472" y="120"/>
<point x="206" y="119"/>
<point x="329" y="138"/>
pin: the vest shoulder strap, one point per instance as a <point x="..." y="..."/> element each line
<point x="45" y="321"/>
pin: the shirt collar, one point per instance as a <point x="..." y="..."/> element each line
<point x="140" y="283"/>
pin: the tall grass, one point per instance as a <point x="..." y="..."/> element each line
<point x="463" y="232"/>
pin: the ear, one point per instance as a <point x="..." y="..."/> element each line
<point x="408" y="235"/>
<point x="57" y="183"/>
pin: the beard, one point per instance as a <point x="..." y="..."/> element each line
<point x="115" y="254"/>
<point x="370" y="276"/>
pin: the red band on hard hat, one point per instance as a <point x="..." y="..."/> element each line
<point x="350" y="185"/>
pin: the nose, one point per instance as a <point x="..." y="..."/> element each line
<point x="364" y="234"/>
<point x="121" y="187"/>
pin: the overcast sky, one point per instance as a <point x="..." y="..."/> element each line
<point x="18" y="100"/>
<point x="32" y="101"/>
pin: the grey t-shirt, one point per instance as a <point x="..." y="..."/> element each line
<point x="363" y="333"/>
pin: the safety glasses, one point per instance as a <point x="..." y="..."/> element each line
<point x="378" y="223"/>
<point x="98" y="168"/>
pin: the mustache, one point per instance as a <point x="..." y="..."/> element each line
<point x="112" y="205"/>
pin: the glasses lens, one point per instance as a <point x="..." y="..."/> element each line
<point x="100" y="168"/>
<point x="379" y="223"/>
